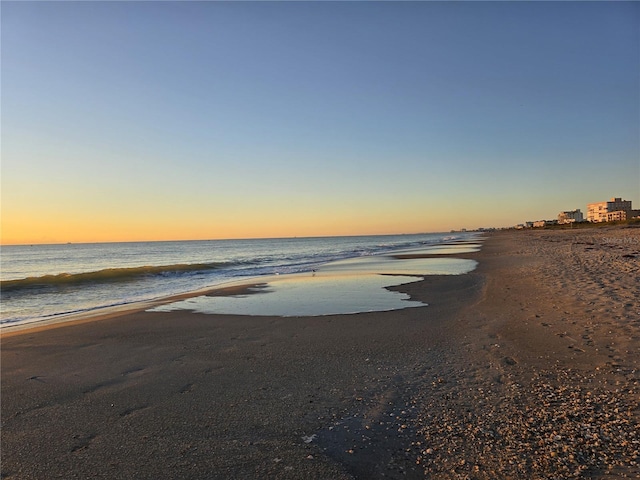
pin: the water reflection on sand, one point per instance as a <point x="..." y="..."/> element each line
<point x="345" y="287"/>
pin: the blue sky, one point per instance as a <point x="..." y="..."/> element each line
<point x="175" y="120"/>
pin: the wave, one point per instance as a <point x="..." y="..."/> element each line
<point x="105" y="276"/>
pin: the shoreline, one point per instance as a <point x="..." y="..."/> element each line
<point x="103" y="313"/>
<point x="526" y="367"/>
<point x="33" y="311"/>
<point x="228" y="288"/>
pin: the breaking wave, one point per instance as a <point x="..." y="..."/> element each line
<point x="106" y="276"/>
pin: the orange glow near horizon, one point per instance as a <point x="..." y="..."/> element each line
<point x="112" y="213"/>
<point x="94" y="230"/>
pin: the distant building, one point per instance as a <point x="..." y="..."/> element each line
<point x="543" y="223"/>
<point x="599" y="212"/>
<point x="620" y="215"/>
<point x="570" y="216"/>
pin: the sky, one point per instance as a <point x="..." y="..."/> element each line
<point x="133" y="121"/>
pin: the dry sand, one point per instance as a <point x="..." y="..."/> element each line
<point x="525" y="368"/>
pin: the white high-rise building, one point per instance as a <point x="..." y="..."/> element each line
<point x="570" y="216"/>
<point x="597" y="212"/>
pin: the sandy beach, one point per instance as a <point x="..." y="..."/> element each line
<point x="528" y="367"/>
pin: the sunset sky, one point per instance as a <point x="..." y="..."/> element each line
<point x="196" y="120"/>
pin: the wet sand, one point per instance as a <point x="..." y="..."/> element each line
<point x="525" y="368"/>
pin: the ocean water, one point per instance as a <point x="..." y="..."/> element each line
<point x="40" y="282"/>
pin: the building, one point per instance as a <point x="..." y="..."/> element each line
<point x="620" y="215"/>
<point x="570" y="217"/>
<point x="543" y="223"/>
<point x="598" y="212"/>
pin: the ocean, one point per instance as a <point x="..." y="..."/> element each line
<point x="40" y="282"/>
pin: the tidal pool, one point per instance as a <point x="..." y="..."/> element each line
<point x="345" y="287"/>
<point x="307" y="295"/>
